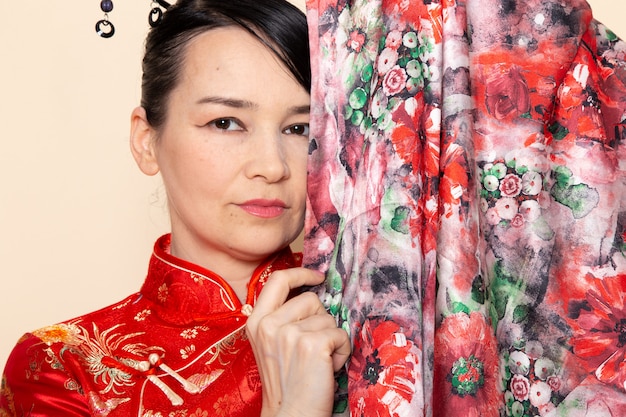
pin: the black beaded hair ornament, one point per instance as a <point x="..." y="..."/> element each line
<point x="105" y="28"/>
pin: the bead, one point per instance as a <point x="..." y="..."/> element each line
<point x="105" y="24"/>
<point x="106" y="5"/>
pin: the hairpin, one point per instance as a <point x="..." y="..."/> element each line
<point x="156" y="14"/>
<point x="104" y="27"/>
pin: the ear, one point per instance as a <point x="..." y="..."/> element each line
<point x="142" y="142"/>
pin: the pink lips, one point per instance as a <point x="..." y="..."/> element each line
<point x="264" y="208"/>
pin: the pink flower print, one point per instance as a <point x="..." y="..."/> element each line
<point x="379" y="103"/>
<point x="356" y="41"/>
<point x="544" y="368"/>
<point x="394" y="81"/>
<point x="533" y="349"/>
<point x="432" y="73"/>
<point x="528" y="159"/>
<point x="540" y="393"/>
<point x="394" y="39"/>
<point x="531" y="183"/>
<point x="530" y="210"/>
<point x="546" y="408"/>
<point x="492" y="216"/>
<point x="387" y="60"/>
<point x="484" y="205"/>
<point x="506" y="208"/>
<point x="520" y="387"/>
<point x="554" y="382"/>
<point x="517" y="221"/>
<point x="519" y="363"/>
<point x="511" y="185"/>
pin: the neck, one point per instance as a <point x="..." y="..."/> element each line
<point x="235" y="272"/>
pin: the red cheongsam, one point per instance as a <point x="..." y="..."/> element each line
<point x="176" y="348"/>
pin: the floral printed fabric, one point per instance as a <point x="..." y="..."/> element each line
<point x="467" y="202"/>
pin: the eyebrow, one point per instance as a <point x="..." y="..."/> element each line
<point x="243" y="104"/>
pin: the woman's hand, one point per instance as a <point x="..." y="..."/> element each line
<point x="297" y="346"/>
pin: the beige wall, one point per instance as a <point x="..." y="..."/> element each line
<point x="77" y="218"/>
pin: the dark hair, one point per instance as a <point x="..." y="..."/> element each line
<point x="278" y="24"/>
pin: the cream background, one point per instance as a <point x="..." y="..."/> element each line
<point x="78" y="219"/>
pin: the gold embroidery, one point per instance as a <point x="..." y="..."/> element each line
<point x="226" y="347"/>
<point x="93" y="350"/>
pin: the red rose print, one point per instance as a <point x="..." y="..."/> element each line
<point x="520" y="387"/>
<point x="394" y="81"/>
<point x="507" y="94"/>
<point x="511" y="185"/>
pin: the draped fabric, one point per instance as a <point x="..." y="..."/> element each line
<point x="467" y="203"/>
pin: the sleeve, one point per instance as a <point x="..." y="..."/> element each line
<point x="35" y="384"/>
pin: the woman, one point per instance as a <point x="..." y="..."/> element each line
<point x="224" y="119"/>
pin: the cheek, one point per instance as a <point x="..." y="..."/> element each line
<point x="299" y="157"/>
<point x="192" y="177"/>
<point x="299" y="172"/>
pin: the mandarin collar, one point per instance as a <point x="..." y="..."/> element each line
<point x="184" y="293"/>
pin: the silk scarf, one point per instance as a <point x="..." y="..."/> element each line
<point x="466" y="201"/>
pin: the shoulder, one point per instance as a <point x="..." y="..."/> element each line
<point x="35" y="380"/>
<point x="49" y="363"/>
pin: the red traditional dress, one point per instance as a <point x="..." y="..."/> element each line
<point x="176" y="348"/>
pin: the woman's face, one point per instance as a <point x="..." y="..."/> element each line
<point x="233" y="152"/>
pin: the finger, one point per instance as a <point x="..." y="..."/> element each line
<point x="343" y="348"/>
<point x="281" y="283"/>
<point x="295" y="309"/>
<point x="268" y="331"/>
<point x="309" y="324"/>
<point x="320" y="338"/>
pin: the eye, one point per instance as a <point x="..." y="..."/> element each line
<point x="226" y="124"/>
<point x="298" y="129"/>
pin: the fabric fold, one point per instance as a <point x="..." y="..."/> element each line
<point x="466" y="201"/>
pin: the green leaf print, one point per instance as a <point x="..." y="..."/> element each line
<point x="558" y="131"/>
<point x="458" y="307"/>
<point x="478" y="290"/>
<point x="399" y="222"/>
<point x="580" y="198"/>
<point x="503" y="287"/>
<point x="520" y="313"/>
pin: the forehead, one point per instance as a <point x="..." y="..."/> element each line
<point x="232" y="60"/>
<point x="226" y="47"/>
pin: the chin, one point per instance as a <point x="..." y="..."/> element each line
<point x="257" y="250"/>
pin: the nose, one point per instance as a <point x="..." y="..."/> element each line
<point x="268" y="158"/>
